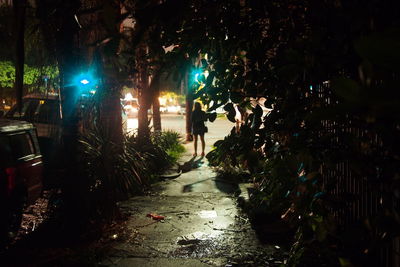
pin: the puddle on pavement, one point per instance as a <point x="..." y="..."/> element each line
<point x="198" y="244"/>
<point x="34" y="215"/>
<point x="201" y="236"/>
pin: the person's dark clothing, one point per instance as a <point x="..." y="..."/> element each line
<point x="198" y="119"/>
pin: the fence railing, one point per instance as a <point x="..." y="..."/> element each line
<point x="364" y="194"/>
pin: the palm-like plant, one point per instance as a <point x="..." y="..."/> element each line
<point x="115" y="171"/>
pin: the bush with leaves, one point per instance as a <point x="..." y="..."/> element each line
<point x="170" y="142"/>
<point x="334" y="99"/>
<point x="162" y="151"/>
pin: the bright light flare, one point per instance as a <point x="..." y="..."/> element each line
<point x="84" y="81"/>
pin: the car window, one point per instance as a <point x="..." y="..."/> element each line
<point x="27" y="109"/>
<point x="22" y="145"/>
<point x="47" y="111"/>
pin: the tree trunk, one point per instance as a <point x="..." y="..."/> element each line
<point x="110" y="109"/>
<point x="144" y="95"/>
<point x="19" y="16"/>
<point x="62" y="16"/>
<point x="143" y="120"/>
<point x="74" y="183"/>
<point x="156" y="111"/>
<point x="110" y="116"/>
<point x="144" y="105"/>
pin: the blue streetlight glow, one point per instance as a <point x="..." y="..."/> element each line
<point x="85" y="81"/>
<point x="196" y="77"/>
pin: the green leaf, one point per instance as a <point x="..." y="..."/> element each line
<point x="256" y="123"/>
<point x="236" y="97"/>
<point x="204" y="63"/>
<point x="231" y="117"/>
<point x="218" y="143"/>
<point x="229" y="107"/>
<point x="231" y="112"/>
<point x="210" y="78"/>
<point x="211" y="90"/>
<point x="381" y="49"/>
<point x="212" y="116"/>
<point x="321" y="233"/>
<point x="345" y="262"/>
<point x="257" y="111"/>
<point x="289" y="72"/>
<point x="347" y="88"/>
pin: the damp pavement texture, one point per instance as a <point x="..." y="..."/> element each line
<point x="202" y="226"/>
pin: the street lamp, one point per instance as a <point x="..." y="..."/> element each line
<point x="86" y="83"/>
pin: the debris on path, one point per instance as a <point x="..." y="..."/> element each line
<point x="155" y="216"/>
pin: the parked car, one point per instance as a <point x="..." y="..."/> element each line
<point x="182" y="109"/>
<point x="174" y="109"/>
<point x="43" y="111"/>
<point x="131" y="107"/>
<point x="163" y="108"/>
<point x="21" y="170"/>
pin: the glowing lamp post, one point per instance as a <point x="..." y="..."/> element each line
<point x="84" y="81"/>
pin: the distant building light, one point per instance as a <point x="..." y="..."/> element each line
<point x="128" y="97"/>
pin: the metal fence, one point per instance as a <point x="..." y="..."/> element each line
<point x="364" y="195"/>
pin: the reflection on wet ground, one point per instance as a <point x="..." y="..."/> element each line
<point x="34" y="215"/>
<point x="202" y="227"/>
<point x="222" y="185"/>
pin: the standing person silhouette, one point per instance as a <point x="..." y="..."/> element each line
<point x="198" y="127"/>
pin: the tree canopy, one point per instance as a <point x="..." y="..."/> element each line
<point x="40" y="69"/>
<point x="34" y="77"/>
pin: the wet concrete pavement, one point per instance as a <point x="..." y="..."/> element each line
<point x="202" y="227"/>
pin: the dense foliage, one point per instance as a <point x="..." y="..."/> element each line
<point x="34" y="77"/>
<point x="328" y="71"/>
<point x="40" y="70"/>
